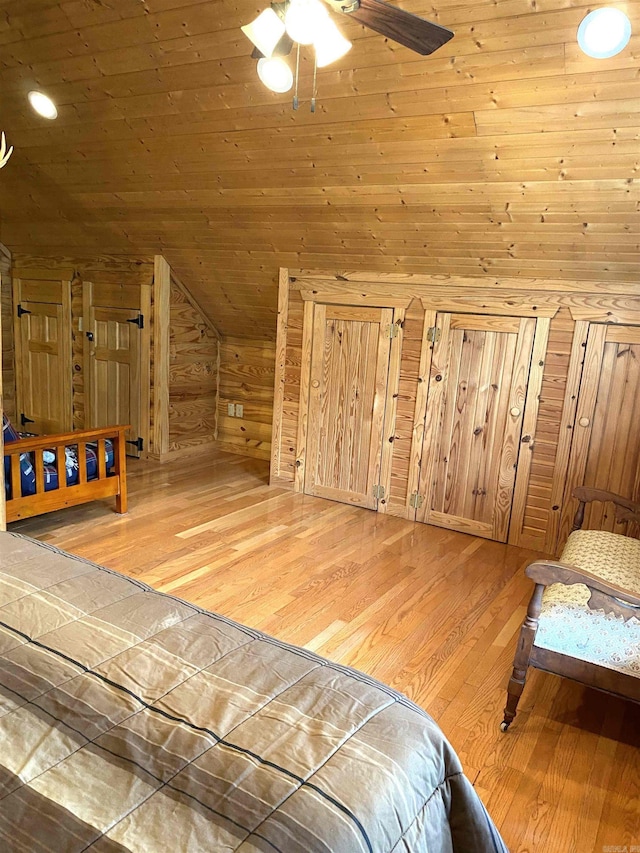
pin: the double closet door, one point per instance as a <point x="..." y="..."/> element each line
<point x="481" y="391"/>
<point x="87" y="367"/>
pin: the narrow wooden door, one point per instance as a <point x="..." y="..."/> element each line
<point x="605" y="451"/>
<point x="348" y="381"/>
<point x="112" y="355"/>
<point x="475" y="407"/>
<point x="43" y="357"/>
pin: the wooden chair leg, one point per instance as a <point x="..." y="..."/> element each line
<point x="514" y="691"/>
<point x="521" y="659"/>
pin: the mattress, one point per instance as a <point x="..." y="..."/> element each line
<point x="133" y="721"/>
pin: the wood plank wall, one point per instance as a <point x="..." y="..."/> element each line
<point x="194" y="355"/>
<point x="542" y="508"/>
<point x="8" y="344"/>
<point x="246" y="377"/>
<point x="508" y="152"/>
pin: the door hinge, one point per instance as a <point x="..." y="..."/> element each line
<point x="138" y="321"/>
<point x="137" y="442"/>
<point x="433" y="334"/>
<point x="416" y="500"/>
<point x="24" y="420"/>
<point x="393" y="331"/>
<point x="22" y="311"/>
<point x="378" y="492"/>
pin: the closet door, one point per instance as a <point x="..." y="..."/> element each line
<point x="112" y="356"/>
<point x="475" y="406"/>
<point x="43" y="356"/>
<point x="605" y="451"/>
<point x="348" y="382"/>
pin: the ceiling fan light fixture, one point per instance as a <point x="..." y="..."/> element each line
<point x="265" y="32"/>
<point x="43" y="105"/>
<point x="275" y="74"/>
<point x="5" y="152"/>
<point x="302" y="19"/>
<point x="604" y="32"/>
<point x="330" y="44"/>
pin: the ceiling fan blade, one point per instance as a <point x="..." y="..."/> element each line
<point x="404" y="27"/>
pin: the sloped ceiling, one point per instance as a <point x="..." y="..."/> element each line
<point x="508" y="152"/>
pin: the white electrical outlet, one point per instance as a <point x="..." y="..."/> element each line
<point x="231" y="410"/>
<point x="239" y="410"/>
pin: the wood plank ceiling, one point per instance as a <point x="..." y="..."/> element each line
<point x="508" y="152"/>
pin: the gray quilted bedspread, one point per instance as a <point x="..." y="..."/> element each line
<point x="132" y="721"/>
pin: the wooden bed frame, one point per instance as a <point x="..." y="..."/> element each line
<point x="103" y="486"/>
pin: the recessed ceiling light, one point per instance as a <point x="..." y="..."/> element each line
<point x="604" y="32"/>
<point x="43" y="105"/>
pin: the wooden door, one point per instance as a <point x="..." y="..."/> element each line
<point x="475" y="407"/>
<point x="43" y="356"/>
<point x="605" y="450"/>
<point x="112" y="356"/>
<point x="348" y="382"/>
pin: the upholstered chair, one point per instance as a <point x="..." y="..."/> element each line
<point x="583" y="619"/>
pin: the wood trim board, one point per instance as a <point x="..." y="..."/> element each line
<point x="161" y="321"/>
<point x="279" y="380"/>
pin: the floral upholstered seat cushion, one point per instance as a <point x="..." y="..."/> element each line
<point x="568" y="626"/>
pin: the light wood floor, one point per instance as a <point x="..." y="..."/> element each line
<point x="431" y="612"/>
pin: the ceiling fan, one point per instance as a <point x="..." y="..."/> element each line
<point x="306" y="22"/>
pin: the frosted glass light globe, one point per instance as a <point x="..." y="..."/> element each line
<point x="265" y="32"/>
<point x="303" y="18"/>
<point x="329" y="43"/>
<point x="275" y="74"/>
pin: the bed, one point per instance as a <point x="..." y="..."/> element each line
<point x="93" y="460"/>
<point x="133" y="721"/>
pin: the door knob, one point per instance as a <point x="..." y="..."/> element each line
<point x="515" y="411"/>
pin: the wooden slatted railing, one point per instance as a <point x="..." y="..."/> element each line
<point x="105" y="484"/>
